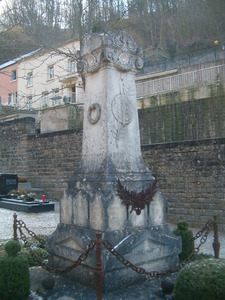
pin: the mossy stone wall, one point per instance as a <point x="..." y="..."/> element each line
<point x="183" y="121"/>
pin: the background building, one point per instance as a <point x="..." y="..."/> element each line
<point x="49" y="78"/>
<point x="8" y="83"/>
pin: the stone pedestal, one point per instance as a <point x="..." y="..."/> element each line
<point x="111" y="155"/>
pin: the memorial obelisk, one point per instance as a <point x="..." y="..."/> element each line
<point x="111" y="171"/>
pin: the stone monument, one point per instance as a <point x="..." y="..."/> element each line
<point x="110" y="191"/>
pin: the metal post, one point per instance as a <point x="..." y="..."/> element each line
<point x="99" y="271"/>
<point x="216" y="243"/>
<point x="15" y="237"/>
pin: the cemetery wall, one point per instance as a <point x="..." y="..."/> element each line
<point x="52" y="159"/>
<point x="13" y="145"/>
<point x="191" y="175"/>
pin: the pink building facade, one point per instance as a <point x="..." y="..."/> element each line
<point x="8" y="83"/>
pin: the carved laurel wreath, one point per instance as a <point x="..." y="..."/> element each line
<point x="137" y="201"/>
<point x="94" y="107"/>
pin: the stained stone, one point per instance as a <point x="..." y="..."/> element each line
<point x="111" y="153"/>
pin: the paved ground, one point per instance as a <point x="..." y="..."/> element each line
<point x="64" y="289"/>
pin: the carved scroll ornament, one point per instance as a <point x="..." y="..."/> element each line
<point x="117" y="49"/>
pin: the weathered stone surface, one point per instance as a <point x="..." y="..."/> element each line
<point x="111" y="153"/>
<point x="158" y="210"/>
<point x="145" y="247"/>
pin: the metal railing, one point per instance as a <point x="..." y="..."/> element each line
<point x="161" y="64"/>
<point x="173" y="83"/>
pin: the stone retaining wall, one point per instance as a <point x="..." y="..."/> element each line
<point x="190" y="174"/>
<point x="46" y="160"/>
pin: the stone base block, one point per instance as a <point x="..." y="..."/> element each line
<point x="152" y="248"/>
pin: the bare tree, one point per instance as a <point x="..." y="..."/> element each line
<point x="171" y="25"/>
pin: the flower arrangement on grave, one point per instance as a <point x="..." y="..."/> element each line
<point x="22" y="195"/>
<point x="22" y="179"/>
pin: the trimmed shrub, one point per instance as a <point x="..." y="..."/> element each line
<point x="12" y="248"/>
<point x="201" y="280"/>
<point x="14" y="274"/>
<point x="187" y="239"/>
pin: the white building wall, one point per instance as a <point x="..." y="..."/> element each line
<point x="34" y="90"/>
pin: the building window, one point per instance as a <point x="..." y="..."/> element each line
<point x="30" y="78"/>
<point x="29" y="102"/>
<point x="55" y="97"/>
<point x="50" y="72"/>
<point x="71" y="66"/>
<point x="44" y="100"/>
<point x="12" y="99"/>
<point x="13" y="75"/>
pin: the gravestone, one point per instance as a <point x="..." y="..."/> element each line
<point x="8" y="182"/>
<point x="110" y="189"/>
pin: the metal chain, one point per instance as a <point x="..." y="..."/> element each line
<point x="21" y="224"/>
<point x="58" y="271"/>
<point x="78" y="262"/>
<point x="155" y="274"/>
<point x="207" y="226"/>
<point x="203" y="233"/>
<point x="127" y="263"/>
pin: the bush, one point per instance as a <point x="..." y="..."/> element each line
<point x="187" y="239"/>
<point x="12" y="248"/>
<point x="14" y="274"/>
<point x="42" y="242"/>
<point x="39" y="253"/>
<point x="201" y="280"/>
<point x="38" y="250"/>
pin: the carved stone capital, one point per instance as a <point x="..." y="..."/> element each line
<point x="114" y="49"/>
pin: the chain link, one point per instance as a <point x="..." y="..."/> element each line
<point x="207" y="226"/>
<point x="21" y="224"/>
<point x="79" y="261"/>
<point x="127" y="263"/>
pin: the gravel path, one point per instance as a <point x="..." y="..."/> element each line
<point x="40" y="223"/>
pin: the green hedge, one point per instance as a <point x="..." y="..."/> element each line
<point x="201" y="280"/>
